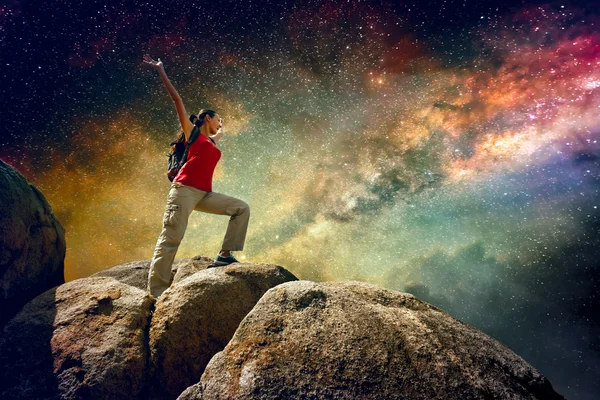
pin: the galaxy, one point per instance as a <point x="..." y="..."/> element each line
<point x="449" y="149"/>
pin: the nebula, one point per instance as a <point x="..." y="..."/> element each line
<point x="447" y="150"/>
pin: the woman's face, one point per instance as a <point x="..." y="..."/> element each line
<point x="215" y="123"/>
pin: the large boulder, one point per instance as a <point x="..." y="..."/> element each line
<point x="89" y="338"/>
<point x="197" y="315"/>
<point x="86" y="339"/>
<point x="136" y="273"/>
<point x="32" y="243"/>
<point x="132" y="273"/>
<point x="353" y="340"/>
<point x="188" y="267"/>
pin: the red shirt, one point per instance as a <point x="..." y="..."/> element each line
<point x="203" y="156"/>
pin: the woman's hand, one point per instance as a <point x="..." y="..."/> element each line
<point x="157" y="65"/>
<point x="186" y="125"/>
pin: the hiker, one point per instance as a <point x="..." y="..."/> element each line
<point x="192" y="190"/>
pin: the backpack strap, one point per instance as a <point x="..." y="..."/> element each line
<point x="193" y="136"/>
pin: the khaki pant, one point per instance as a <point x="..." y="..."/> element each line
<point x="182" y="200"/>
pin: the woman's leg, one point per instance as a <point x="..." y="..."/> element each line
<point x="180" y="204"/>
<point x="217" y="203"/>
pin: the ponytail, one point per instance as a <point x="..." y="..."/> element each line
<point x="196" y="121"/>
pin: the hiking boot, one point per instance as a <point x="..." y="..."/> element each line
<point x="220" y="260"/>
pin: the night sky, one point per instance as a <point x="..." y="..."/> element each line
<point x="449" y="149"/>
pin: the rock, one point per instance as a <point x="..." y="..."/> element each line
<point x="136" y="273"/>
<point x="348" y="340"/>
<point x="196" y="316"/>
<point x="191" y="266"/>
<point x="86" y="339"/>
<point x="32" y="243"/>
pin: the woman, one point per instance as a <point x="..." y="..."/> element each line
<point x="192" y="190"/>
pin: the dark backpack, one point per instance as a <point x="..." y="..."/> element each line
<point x="178" y="155"/>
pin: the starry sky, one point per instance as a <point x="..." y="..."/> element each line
<point x="449" y="149"/>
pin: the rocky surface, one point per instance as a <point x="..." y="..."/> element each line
<point x="136" y="273"/>
<point x="348" y="340"/>
<point x="133" y="273"/>
<point x="86" y="339"/>
<point x="197" y="316"/>
<point x="190" y="266"/>
<point x="32" y="243"/>
<point x="91" y="338"/>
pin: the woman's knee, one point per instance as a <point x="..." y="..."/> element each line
<point x="243" y="207"/>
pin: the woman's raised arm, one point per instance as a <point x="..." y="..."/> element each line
<point x="186" y="124"/>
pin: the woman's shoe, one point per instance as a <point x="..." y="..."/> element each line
<point x="220" y="260"/>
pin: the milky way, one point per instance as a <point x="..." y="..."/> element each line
<point x="449" y="150"/>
